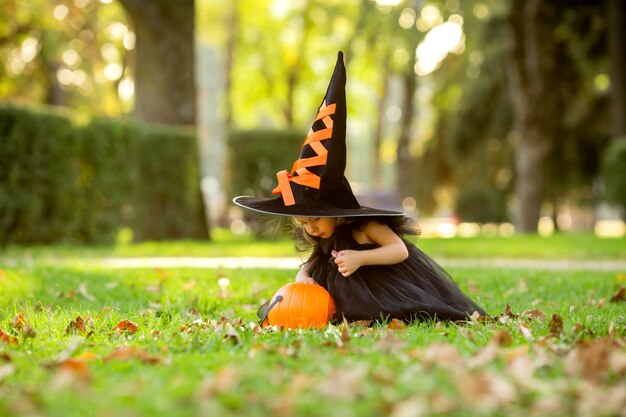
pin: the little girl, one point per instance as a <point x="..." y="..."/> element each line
<point x="358" y="252"/>
<point x="372" y="273"/>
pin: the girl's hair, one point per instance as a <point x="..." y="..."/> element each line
<point x="401" y="225"/>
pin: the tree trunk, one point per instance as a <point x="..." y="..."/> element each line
<point x="534" y="77"/>
<point x="377" y="179"/>
<point x="617" y="54"/>
<point x="405" y="180"/>
<point x="165" y="90"/>
<point x="232" y="29"/>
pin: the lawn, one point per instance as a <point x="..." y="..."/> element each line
<point x="80" y="340"/>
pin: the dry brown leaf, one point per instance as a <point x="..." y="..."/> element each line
<point x="344" y="383"/>
<point x="598" y="400"/>
<point x="442" y="355"/>
<point x="345" y="332"/>
<point x="534" y="314"/>
<point x="389" y="343"/>
<point x="76" y="325"/>
<point x="525" y="331"/>
<point x="82" y="290"/>
<point x="507" y="311"/>
<point x="619" y="296"/>
<point x="126" y="326"/>
<point x="232" y="335"/>
<point x="589" y="359"/>
<point x="20" y="324"/>
<point x="556" y="325"/>
<point x="411" y="407"/>
<point x="77" y="368"/>
<point x="226" y="380"/>
<point x="484" y="356"/>
<point x="132" y="353"/>
<point x="18" y="321"/>
<point x="396" y="324"/>
<point x="8" y="339"/>
<point x="87" y="356"/>
<point x="502" y="338"/>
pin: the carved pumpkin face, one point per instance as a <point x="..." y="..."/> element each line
<point x="302" y="306"/>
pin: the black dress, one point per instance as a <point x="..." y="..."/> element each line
<point x="417" y="288"/>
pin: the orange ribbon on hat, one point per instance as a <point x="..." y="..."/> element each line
<point x="304" y="176"/>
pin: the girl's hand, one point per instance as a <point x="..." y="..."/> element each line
<point x="347" y="261"/>
<point x="306" y="280"/>
<point x="303" y="276"/>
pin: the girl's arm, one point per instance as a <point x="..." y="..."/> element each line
<point x="303" y="276"/>
<point x="392" y="249"/>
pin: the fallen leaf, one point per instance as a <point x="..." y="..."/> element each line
<point x="132" y="353"/>
<point x="6" y="370"/>
<point x="82" y="290"/>
<point x="556" y="325"/>
<point x="345" y="332"/>
<point x="76" y="368"/>
<point x="87" y="356"/>
<point x="396" y="324"/>
<point x="507" y="310"/>
<point x="8" y="339"/>
<point x="226" y="380"/>
<point x="126" y="326"/>
<point x="232" y="335"/>
<point x="76" y="325"/>
<point x="411" y="407"/>
<point x="502" y="338"/>
<point x="534" y="314"/>
<point x="525" y="332"/>
<point x="442" y="355"/>
<point x="619" y="296"/>
<point x="18" y="321"/>
<point x="589" y="359"/>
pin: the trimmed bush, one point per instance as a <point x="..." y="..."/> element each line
<point x="61" y="182"/>
<point x="254" y="158"/>
<point x="614" y="170"/>
<point x="480" y="203"/>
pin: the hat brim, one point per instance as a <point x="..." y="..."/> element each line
<point x="276" y="207"/>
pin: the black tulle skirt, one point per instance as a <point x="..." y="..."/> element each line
<point x="415" y="289"/>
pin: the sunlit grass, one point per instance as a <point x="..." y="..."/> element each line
<point x="226" y="244"/>
<point x="198" y="351"/>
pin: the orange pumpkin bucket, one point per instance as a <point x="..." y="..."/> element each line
<point x="300" y="305"/>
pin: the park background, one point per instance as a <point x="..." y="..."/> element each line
<point x="129" y="285"/>
<point x="147" y="117"/>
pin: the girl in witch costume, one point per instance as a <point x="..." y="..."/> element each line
<point x="359" y="255"/>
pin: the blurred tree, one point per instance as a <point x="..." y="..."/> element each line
<point x="164" y="66"/>
<point x="617" y="50"/>
<point x="534" y="74"/>
<point x="476" y="113"/>
<point x="65" y="53"/>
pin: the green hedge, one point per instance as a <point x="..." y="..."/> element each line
<point x="614" y="170"/>
<point x="70" y="183"/>
<point x="254" y="158"/>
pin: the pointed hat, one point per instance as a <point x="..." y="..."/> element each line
<point x="316" y="185"/>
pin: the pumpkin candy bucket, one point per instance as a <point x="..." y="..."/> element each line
<point x="299" y="305"/>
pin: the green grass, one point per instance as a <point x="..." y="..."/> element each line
<point x="225" y="244"/>
<point x="198" y="353"/>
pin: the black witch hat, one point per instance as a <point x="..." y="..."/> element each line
<point x="316" y="185"/>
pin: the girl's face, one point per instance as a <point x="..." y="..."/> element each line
<point x="322" y="227"/>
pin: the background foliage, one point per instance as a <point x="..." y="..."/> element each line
<point x="66" y="182"/>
